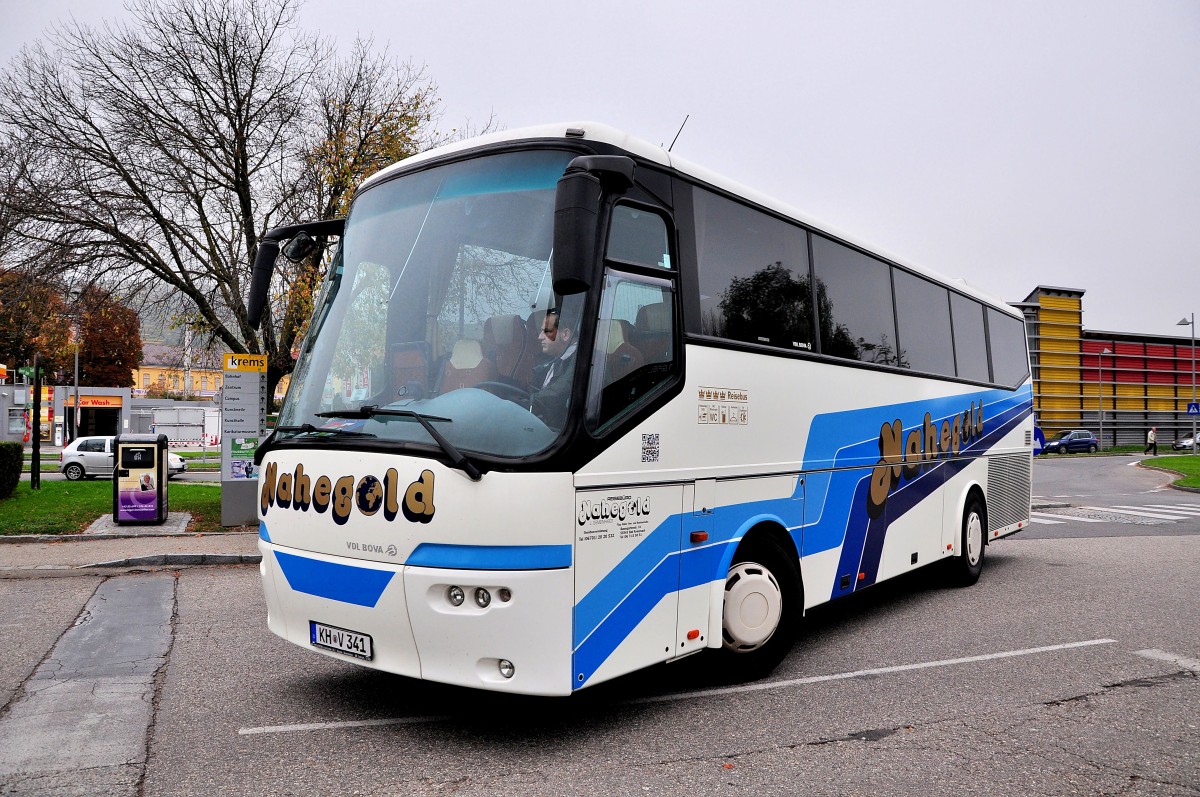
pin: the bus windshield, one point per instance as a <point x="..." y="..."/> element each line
<point x="434" y="314"/>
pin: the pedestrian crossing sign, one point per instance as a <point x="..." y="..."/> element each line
<point x="1194" y="408"/>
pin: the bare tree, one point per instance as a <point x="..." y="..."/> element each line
<point x="161" y="151"/>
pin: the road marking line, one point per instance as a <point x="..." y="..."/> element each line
<point x="1033" y="518"/>
<point x="1068" y="517"/>
<point x="1179" y="514"/>
<point x="759" y="687"/>
<point x="1174" y="658"/>
<point x="324" y="726"/>
<point x="1158" y="516"/>
<point x="1183" y="510"/>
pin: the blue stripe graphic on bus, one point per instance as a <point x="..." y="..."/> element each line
<point x="914" y="455"/>
<point x="262" y="531"/>
<point x="648" y="556"/>
<point x="606" y="616"/>
<point x="361" y="586"/>
<point x="491" y="557"/>
<point x="836" y="507"/>
<point x="664" y="579"/>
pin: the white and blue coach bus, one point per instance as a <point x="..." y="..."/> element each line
<point x="569" y="407"/>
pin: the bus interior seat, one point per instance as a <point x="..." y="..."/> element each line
<point x="466" y="367"/>
<point x="621" y="357"/>
<point x="652" y="332"/>
<point x="506" y="344"/>
<point x="533" y="343"/>
<point x="410" y="369"/>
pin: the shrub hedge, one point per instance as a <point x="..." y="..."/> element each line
<point x="11" y="456"/>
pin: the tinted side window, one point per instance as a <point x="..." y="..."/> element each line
<point x="1010" y="363"/>
<point x="923" y="324"/>
<point x="854" y="304"/>
<point x="970" y="343"/>
<point x="753" y="274"/>
<point x="638" y="236"/>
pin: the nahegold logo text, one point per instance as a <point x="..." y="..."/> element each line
<point x="342" y="495"/>
<point x="906" y="454"/>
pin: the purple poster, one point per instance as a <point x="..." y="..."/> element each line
<point x="137" y="500"/>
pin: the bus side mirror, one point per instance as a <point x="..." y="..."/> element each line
<point x="577" y="203"/>
<point x="260" y="281"/>
<point x="300" y="245"/>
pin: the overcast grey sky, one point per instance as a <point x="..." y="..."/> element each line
<point x="1012" y="143"/>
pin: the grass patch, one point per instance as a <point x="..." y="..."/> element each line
<point x="1187" y="464"/>
<point x="63" y="507"/>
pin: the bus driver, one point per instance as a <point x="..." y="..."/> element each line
<point x="552" y="379"/>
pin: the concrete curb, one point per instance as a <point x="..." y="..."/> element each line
<point x="179" y="560"/>
<point x="31" y="538"/>
<point x="1172" y="485"/>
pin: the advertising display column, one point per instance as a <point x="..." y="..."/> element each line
<point x="140" y="479"/>
<point x="243" y="411"/>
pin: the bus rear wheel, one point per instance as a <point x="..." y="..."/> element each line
<point x="762" y="610"/>
<point x="966" y="567"/>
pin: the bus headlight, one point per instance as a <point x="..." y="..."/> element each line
<point x="456" y="596"/>
<point x="482" y="598"/>
<point x="506" y="668"/>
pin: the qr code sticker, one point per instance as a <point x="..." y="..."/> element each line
<point x="650" y="447"/>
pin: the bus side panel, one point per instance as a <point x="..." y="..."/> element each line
<point x="627" y="544"/>
<point x="914" y="533"/>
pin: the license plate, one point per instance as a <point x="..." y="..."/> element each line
<point x="343" y="640"/>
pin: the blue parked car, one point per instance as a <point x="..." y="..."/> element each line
<point x="1072" y="441"/>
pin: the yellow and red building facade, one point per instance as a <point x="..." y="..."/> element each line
<point x="1138" y="380"/>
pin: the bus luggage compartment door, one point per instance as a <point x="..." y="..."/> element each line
<point x="627" y="543"/>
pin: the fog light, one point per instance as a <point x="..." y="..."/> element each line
<point x="455" y="596"/>
<point x="482" y="598"/>
<point x="506" y="668"/>
<point x="505" y="594"/>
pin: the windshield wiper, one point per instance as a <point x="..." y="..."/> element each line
<point x="308" y="428"/>
<point x="457" y="458"/>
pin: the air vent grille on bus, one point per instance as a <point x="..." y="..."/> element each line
<point x="1028" y="438"/>
<point x="1009" y="486"/>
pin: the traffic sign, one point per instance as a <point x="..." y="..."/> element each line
<point x="1194" y="408"/>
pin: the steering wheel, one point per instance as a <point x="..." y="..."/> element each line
<point x="504" y="390"/>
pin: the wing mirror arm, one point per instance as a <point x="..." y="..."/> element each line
<point x="300" y="244"/>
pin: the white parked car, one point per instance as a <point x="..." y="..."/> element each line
<point x="92" y="457"/>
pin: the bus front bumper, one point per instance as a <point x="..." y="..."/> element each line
<point x="511" y="632"/>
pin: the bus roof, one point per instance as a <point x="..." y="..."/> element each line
<point x="602" y="133"/>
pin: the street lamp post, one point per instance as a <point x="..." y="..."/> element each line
<point x="1100" y="369"/>
<point x="1183" y="322"/>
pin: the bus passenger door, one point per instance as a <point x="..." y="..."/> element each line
<point x="626" y="579"/>
<point x="697" y="554"/>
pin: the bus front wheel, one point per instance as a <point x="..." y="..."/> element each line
<point x="966" y="567"/>
<point x="762" y="609"/>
